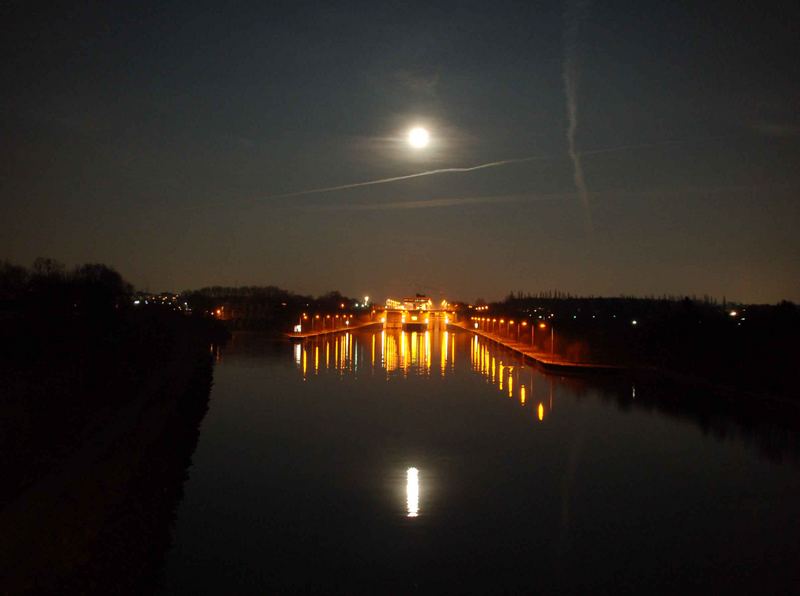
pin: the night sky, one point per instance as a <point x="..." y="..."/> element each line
<point x="155" y="136"/>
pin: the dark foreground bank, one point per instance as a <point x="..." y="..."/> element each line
<point x="99" y="422"/>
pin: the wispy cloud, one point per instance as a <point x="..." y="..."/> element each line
<point x="777" y="129"/>
<point x="433" y="203"/>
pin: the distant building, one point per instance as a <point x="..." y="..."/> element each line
<point x="416" y="303"/>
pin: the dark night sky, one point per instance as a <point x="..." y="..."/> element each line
<point x="153" y="138"/>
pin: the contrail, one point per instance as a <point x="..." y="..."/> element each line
<point x="575" y="12"/>
<point x="491" y="164"/>
<point x="494" y="164"/>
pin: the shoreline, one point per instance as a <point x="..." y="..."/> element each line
<point x="546" y="361"/>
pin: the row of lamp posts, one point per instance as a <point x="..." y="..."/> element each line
<point x="326" y="321"/>
<point x="491" y="324"/>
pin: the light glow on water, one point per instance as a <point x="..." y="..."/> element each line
<point x="412" y="492"/>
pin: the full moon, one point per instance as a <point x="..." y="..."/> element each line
<point x="418" y="137"/>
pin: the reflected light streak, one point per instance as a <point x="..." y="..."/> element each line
<point x="443" y="362"/>
<point x="522" y="394"/>
<point x="540" y="411"/>
<point x="392" y="361"/>
<point x="427" y="355"/>
<point x="412" y="492"/>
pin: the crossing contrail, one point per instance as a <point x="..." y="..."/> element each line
<point x="575" y="13"/>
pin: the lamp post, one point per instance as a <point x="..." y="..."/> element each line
<point x="533" y="337"/>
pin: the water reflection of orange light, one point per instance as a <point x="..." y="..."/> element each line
<point x="390" y="355"/>
<point x="522" y="394"/>
<point x="316" y="359"/>
<point x="443" y="360"/>
<point x="404" y="351"/>
<point x="540" y="411"/>
<point x="427" y="355"/>
<point x="305" y="363"/>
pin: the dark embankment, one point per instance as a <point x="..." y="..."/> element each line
<point x="770" y="426"/>
<point x="751" y="349"/>
<point x="96" y="445"/>
<point x="99" y="415"/>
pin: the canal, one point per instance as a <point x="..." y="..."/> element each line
<point x="388" y="462"/>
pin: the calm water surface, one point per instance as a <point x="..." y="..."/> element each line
<point x="436" y="462"/>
